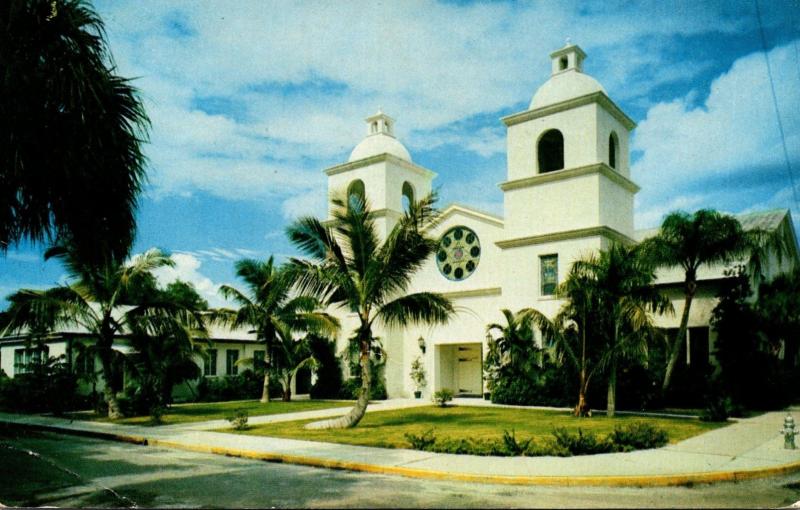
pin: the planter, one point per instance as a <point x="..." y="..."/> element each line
<point x="487" y="396"/>
<point x="417" y="394"/>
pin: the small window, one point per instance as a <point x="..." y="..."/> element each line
<point x="613" y="148"/>
<point x="550" y="151"/>
<point x="232" y="356"/>
<point x="562" y="63"/>
<point x="549" y="274"/>
<point x="84" y="365"/>
<point x="210" y="362"/>
<point x="356" y="195"/>
<point x="26" y="359"/>
<point x="408" y="196"/>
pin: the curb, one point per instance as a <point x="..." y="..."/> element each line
<point x="681" y="479"/>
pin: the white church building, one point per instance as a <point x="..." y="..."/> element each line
<point x="568" y="193"/>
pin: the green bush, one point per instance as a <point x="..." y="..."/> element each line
<point x="48" y="387"/>
<point x="580" y="443"/>
<point x="442" y="397"/>
<point x="246" y="385"/>
<point x="422" y="441"/>
<point x="514" y="446"/>
<point x="637" y="436"/>
<point x="239" y="419"/>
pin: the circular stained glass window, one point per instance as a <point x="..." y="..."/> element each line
<point x="458" y="253"/>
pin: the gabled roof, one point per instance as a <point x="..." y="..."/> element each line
<point x="767" y="220"/>
<point x="456" y="208"/>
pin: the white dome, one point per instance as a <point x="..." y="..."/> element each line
<point x="564" y="86"/>
<point x="379" y="143"/>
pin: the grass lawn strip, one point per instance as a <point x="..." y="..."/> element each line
<point x="387" y="429"/>
<point x="207" y="411"/>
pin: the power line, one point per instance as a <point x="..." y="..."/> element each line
<point x="775" y="103"/>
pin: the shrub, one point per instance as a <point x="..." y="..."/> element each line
<point x="637" y="436"/>
<point x="514" y="446"/>
<point x="422" y="441"/>
<point x="239" y="419"/>
<point x="246" y="385"/>
<point x="580" y="443"/>
<point x="418" y="374"/>
<point x="442" y="397"/>
<point x="48" y="387"/>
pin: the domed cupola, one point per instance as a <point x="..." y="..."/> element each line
<point x="567" y="80"/>
<point x="379" y="140"/>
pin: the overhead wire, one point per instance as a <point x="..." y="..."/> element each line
<point x="777" y="109"/>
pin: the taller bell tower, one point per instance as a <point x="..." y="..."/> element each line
<point x="568" y="166"/>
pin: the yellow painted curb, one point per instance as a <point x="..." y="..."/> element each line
<point x="564" y="481"/>
<point x="429" y="474"/>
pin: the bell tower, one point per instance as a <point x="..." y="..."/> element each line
<point x="381" y="171"/>
<point x="568" y="167"/>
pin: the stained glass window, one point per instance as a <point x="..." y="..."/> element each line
<point x="549" y="274"/>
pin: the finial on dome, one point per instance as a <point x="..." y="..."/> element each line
<point x="570" y="57"/>
<point x="380" y="123"/>
<point x="568" y="41"/>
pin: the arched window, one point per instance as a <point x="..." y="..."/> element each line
<point x="408" y="196"/>
<point x="551" y="151"/>
<point x="356" y="195"/>
<point x="613" y="148"/>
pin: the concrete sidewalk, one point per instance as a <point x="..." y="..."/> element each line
<point x="748" y="448"/>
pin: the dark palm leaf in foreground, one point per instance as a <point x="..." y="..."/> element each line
<point x="70" y="132"/>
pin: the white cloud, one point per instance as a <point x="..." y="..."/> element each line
<point x="187" y="269"/>
<point x="303" y="75"/>
<point x="733" y="131"/>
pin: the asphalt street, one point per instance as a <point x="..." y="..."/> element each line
<point x="56" y="470"/>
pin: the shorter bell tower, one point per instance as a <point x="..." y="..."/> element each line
<point x="381" y="171"/>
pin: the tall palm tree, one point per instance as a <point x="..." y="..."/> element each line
<point x="623" y="285"/>
<point x="70" y="132"/>
<point x="351" y="268"/>
<point x="96" y="303"/>
<point x="268" y="305"/>
<point x="704" y="238"/>
<point x="573" y="334"/>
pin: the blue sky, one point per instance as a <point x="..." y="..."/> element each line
<point x="251" y="100"/>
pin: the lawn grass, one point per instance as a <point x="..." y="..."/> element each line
<point x="188" y="413"/>
<point x="387" y="429"/>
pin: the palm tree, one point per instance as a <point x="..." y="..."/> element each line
<point x="623" y="286"/>
<point x="514" y="340"/>
<point x="571" y="333"/>
<point x="779" y="304"/>
<point x="70" y="160"/>
<point x="291" y="354"/>
<point x="349" y="267"/>
<point x="165" y="345"/>
<point x="268" y="306"/>
<point x="96" y="303"/>
<point x="706" y="237"/>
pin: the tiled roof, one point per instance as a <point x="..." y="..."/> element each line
<point x="767" y="220"/>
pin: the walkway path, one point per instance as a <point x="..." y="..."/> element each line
<point x="748" y="448"/>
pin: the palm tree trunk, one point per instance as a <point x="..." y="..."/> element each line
<point x="287" y="389"/>
<point x="109" y="392"/>
<point x="265" y="388"/>
<point x="611" y="404"/>
<point x="352" y="418"/>
<point x="680" y="338"/>
<point x="582" y="409"/>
